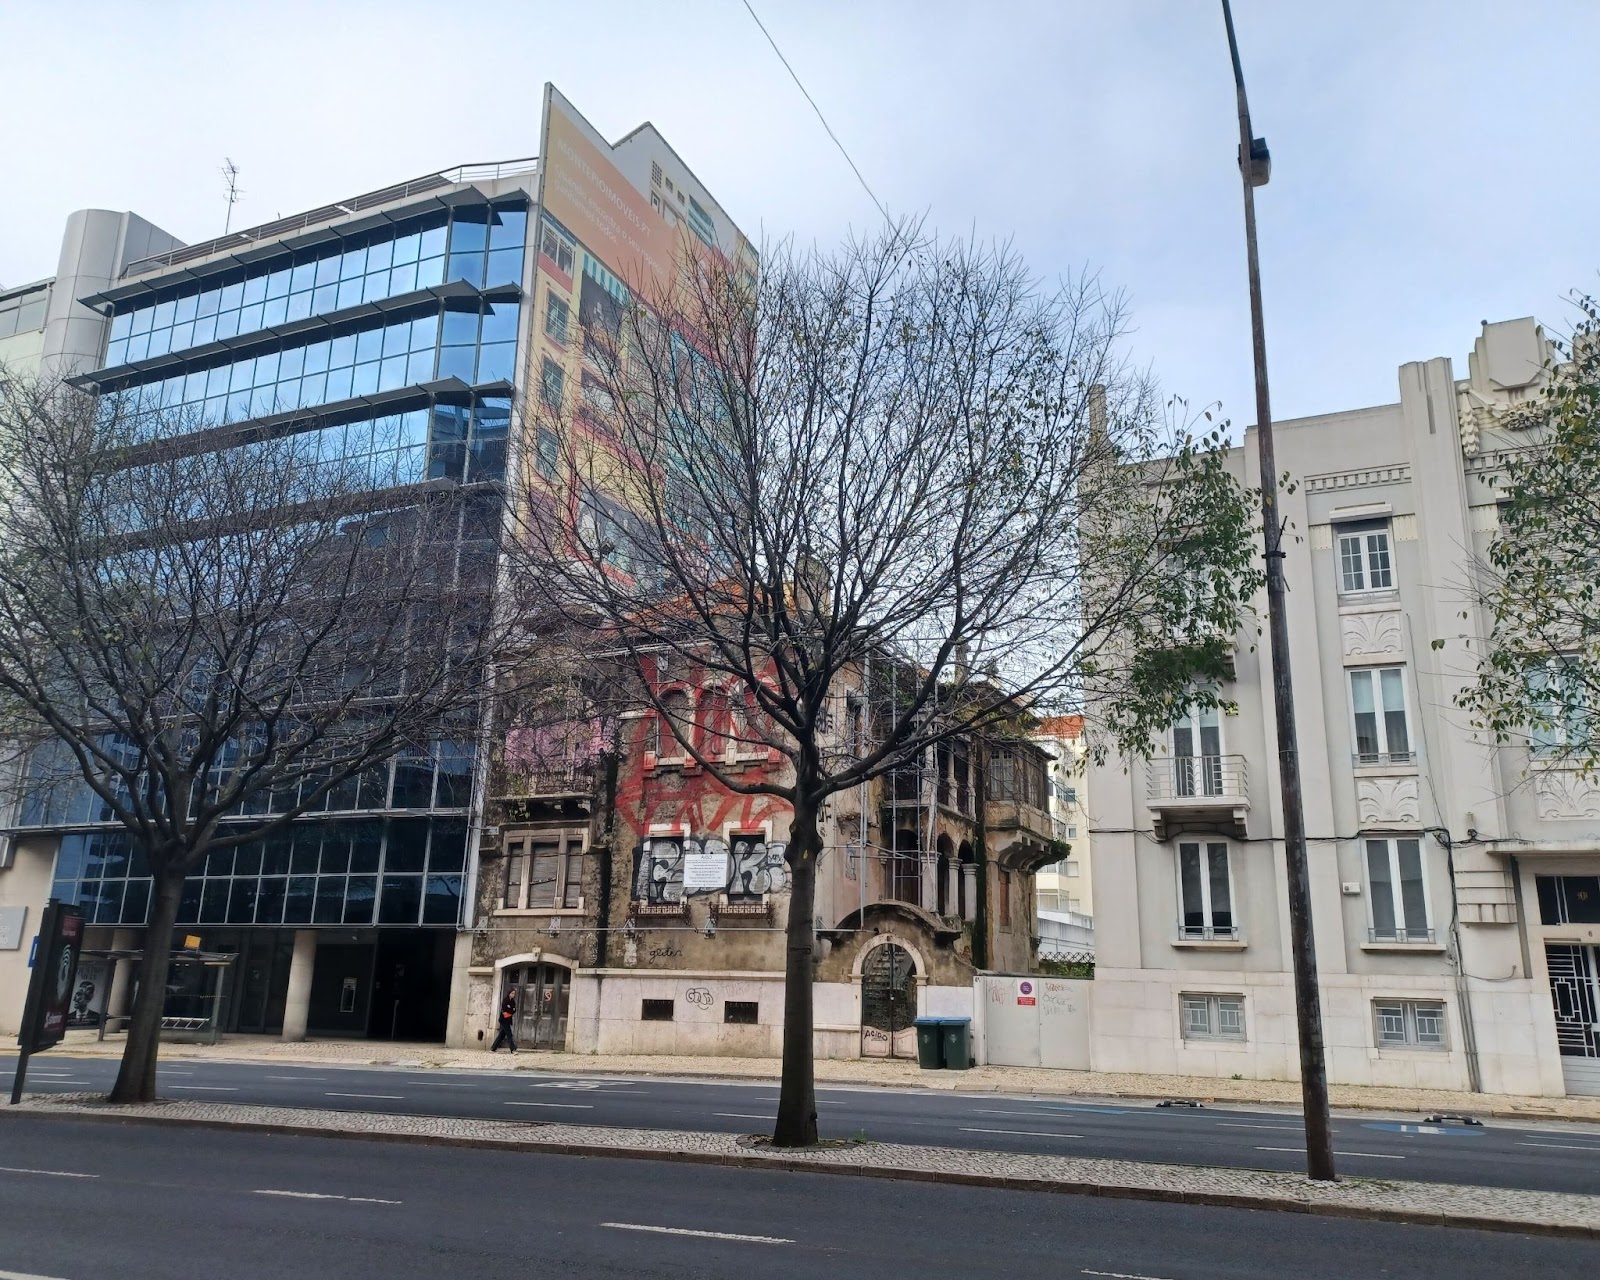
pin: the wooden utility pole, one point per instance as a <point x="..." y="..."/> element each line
<point x="1255" y="166"/>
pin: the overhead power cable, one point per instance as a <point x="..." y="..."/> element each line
<point x="799" y="85"/>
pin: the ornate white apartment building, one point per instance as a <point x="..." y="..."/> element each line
<point x="1455" y="885"/>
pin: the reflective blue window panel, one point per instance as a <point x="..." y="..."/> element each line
<point x="482" y="245"/>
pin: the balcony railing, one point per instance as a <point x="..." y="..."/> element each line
<point x="1198" y="778"/>
<point x="1206" y="791"/>
<point x="345" y="208"/>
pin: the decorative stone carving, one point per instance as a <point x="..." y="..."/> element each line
<point x="1366" y="477"/>
<point x="1322" y="537"/>
<point x="1371" y="635"/>
<point x="1563" y="796"/>
<point x="1405" y="528"/>
<point x="1385" y="802"/>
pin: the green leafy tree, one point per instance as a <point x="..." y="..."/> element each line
<point x="1539" y="586"/>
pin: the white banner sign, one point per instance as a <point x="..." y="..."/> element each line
<point x="705" y="867"/>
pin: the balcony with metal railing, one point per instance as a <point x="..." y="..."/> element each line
<point x="1198" y="793"/>
<point x="269" y="231"/>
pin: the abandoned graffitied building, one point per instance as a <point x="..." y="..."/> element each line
<point x="637" y="904"/>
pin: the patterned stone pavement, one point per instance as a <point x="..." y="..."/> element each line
<point x="1531" y="1212"/>
<point x="894" y="1074"/>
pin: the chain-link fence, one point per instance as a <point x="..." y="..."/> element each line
<point x="1065" y="961"/>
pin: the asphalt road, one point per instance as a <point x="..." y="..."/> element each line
<point x="1543" y="1157"/>
<point x="89" y="1200"/>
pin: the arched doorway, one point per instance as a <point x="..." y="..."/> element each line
<point x="543" y="990"/>
<point x="888" y="1002"/>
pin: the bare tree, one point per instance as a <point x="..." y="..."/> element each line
<point x="908" y="451"/>
<point x="194" y="622"/>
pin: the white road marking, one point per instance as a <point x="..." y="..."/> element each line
<point x="1231" y="1124"/>
<point x="559" y="1106"/>
<point x="386" y="1097"/>
<point x="318" y="1195"/>
<point x="740" y="1115"/>
<point x="1027" y="1133"/>
<point x="23" y="1275"/>
<point x="988" y="1111"/>
<point x="1120" y="1275"/>
<point x="48" y="1173"/>
<point x="686" y="1231"/>
<point x="174" y="1071"/>
<point x="306" y="1079"/>
<point x="443" y="1084"/>
<point x="1364" y="1155"/>
<point x="207" y="1088"/>
<point x="1559" y="1146"/>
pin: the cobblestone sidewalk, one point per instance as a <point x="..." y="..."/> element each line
<point x="885" y="1073"/>
<point x="1530" y="1212"/>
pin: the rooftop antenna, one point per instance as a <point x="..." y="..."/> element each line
<point x="230" y="175"/>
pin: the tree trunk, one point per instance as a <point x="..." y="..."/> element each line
<point x="136" y="1079"/>
<point x="797" y="1095"/>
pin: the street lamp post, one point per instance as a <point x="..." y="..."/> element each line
<point x="1255" y="166"/>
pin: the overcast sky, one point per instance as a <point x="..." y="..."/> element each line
<point x="1434" y="161"/>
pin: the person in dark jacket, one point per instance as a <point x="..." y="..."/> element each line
<point x="508" y="1014"/>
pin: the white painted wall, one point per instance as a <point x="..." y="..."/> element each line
<point x="1423" y="465"/>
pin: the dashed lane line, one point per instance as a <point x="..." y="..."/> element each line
<point x="689" y="1231"/>
<point x="207" y="1088"/>
<point x="740" y="1115"/>
<point x="319" y="1195"/>
<point x="559" y="1106"/>
<point x="383" y="1097"/>
<point x="1360" y="1155"/>
<point x="1290" y="1128"/>
<point x="1120" y="1275"/>
<point x="1559" y="1146"/>
<point x="48" y="1173"/>
<point x="1026" y="1133"/>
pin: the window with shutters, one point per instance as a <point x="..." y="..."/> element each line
<point x="543" y="872"/>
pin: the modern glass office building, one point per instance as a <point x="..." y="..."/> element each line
<point x="384" y="330"/>
<point x="425" y="332"/>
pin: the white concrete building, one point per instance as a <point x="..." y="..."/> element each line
<point x="1064" y="890"/>
<point x="1455" y="886"/>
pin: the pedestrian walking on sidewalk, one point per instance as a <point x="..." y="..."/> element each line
<point x="508" y="1014"/>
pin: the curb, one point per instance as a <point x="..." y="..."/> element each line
<point x="1219" y="1199"/>
<point x="1498" y="1113"/>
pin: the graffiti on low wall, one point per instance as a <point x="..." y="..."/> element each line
<point x="670" y="868"/>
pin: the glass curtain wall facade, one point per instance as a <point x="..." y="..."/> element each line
<point x="397" y="348"/>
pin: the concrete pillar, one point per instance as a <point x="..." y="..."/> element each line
<point x="969" y="891"/>
<point x="455" y="1023"/>
<point x="120" y="997"/>
<point x="301" y="965"/>
<point x="928" y="882"/>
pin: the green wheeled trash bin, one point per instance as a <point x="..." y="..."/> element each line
<point x="928" y="1043"/>
<point x="955" y="1043"/>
